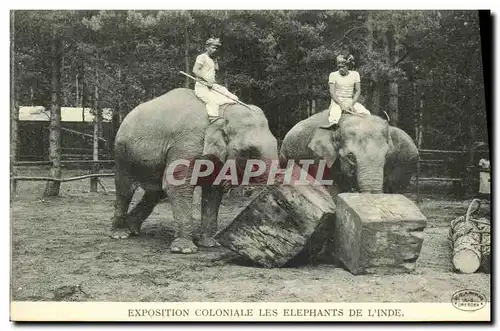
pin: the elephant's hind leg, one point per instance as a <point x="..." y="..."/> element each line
<point x="142" y="210"/>
<point x="125" y="188"/>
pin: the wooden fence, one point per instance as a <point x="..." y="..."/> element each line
<point x="457" y="167"/>
<point x="94" y="177"/>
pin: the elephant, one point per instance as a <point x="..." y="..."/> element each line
<point x="365" y="153"/>
<point x="175" y="126"/>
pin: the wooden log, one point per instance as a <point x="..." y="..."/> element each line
<point x="469" y="241"/>
<point x="466" y="248"/>
<point x="281" y="224"/>
<point x="377" y="233"/>
<point x="470" y="244"/>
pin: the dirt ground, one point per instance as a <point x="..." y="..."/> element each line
<point x="60" y="243"/>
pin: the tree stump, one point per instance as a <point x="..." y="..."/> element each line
<point x="282" y="223"/>
<point x="469" y="241"/>
<point x="377" y="233"/>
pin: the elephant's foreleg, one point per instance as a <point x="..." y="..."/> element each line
<point x="180" y="192"/>
<point x="142" y="210"/>
<point x="125" y="188"/>
<point x="181" y="199"/>
<point x="211" y="199"/>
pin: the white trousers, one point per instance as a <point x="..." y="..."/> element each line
<point x="212" y="98"/>
<point x="336" y="111"/>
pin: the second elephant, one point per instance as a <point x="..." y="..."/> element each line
<point x="364" y="154"/>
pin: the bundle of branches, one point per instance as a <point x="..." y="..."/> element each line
<point x="469" y="240"/>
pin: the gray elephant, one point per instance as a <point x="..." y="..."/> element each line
<point x="364" y="154"/>
<point x="172" y="127"/>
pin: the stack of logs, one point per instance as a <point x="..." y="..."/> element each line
<point x="469" y="240"/>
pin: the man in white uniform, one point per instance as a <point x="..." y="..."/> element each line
<point x="214" y="94"/>
<point x="345" y="89"/>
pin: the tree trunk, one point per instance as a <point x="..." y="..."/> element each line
<point x="64" y="95"/>
<point x="14" y="120"/>
<point x="14" y="141"/>
<point x="121" y="110"/>
<point x="52" y="188"/>
<point x="82" y="100"/>
<point x="97" y="133"/>
<point x="393" y="102"/>
<point x="373" y="86"/>
<point x="420" y="119"/>
<point x="77" y="91"/>
<point x="186" y="55"/>
<point x="32" y="96"/>
<point x="375" y="97"/>
<point x="391" y="56"/>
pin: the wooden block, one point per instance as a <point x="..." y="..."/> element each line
<point x="377" y="233"/>
<point x="280" y="224"/>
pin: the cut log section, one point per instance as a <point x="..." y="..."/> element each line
<point x="470" y="242"/>
<point x="283" y="222"/>
<point x="377" y="233"/>
<point x="466" y="247"/>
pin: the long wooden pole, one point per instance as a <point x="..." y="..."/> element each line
<point x="48" y="163"/>
<point x="202" y="82"/>
<point x="62" y="180"/>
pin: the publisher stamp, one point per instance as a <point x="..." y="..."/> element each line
<point x="468" y="300"/>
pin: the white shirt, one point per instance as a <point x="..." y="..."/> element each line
<point x="344" y="85"/>
<point x="208" y="67"/>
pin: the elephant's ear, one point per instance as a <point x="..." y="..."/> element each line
<point x="216" y="140"/>
<point x="324" y="144"/>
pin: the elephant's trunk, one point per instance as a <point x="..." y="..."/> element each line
<point x="370" y="178"/>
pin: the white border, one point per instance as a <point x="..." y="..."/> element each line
<point x="93" y="4"/>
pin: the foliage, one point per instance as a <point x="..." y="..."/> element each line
<point x="277" y="59"/>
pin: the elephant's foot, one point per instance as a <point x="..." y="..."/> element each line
<point x="135" y="228"/>
<point x="207" y="242"/>
<point x="120" y="233"/>
<point x="183" y="246"/>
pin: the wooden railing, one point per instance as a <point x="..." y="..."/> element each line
<point x="92" y="176"/>
<point x="447" y="166"/>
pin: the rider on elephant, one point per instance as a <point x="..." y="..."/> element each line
<point x="214" y="95"/>
<point x="345" y="89"/>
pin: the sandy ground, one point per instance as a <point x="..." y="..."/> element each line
<point x="62" y="242"/>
